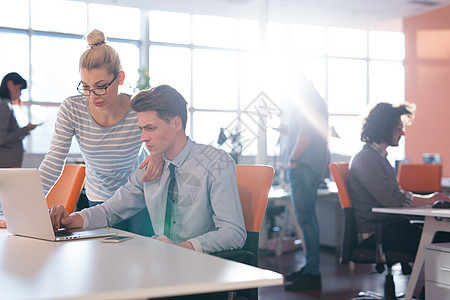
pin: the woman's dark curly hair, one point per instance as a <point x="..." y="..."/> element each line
<point x="379" y="125"/>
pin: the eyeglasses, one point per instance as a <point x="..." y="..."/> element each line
<point x="98" y="91"/>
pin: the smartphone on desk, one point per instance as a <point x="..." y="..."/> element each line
<point x="117" y="239"/>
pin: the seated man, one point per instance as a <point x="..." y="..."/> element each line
<point x="372" y="182"/>
<point x="194" y="204"/>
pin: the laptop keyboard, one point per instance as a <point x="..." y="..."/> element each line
<point x="62" y="232"/>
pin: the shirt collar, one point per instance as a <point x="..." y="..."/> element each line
<point x="380" y="150"/>
<point x="181" y="157"/>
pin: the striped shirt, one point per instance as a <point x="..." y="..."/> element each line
<point x="110" y="153"/>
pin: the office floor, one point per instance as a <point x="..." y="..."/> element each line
<point x="338" y="281"/>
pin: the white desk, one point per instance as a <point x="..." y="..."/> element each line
<point x="431" y="226"/>
<point x="139" y="268"/>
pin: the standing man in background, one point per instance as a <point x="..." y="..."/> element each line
<point x="306" y="162"/>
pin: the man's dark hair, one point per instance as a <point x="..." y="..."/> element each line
<point x="16" y="79"/>
<point x="163" y="99"/>
<point x="379" y="125"/>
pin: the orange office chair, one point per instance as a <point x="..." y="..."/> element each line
<point x="67" y="188"/>
<point x="349" y="246"/>
<point x="254" y="183"/>
<point x="420" y="178"/>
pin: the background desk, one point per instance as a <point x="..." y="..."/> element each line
<point x="139" y="268"/>
<point x="431" y="226"/>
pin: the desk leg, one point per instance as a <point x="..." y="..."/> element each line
<point x="264" y="234"/>
<point x="431" y="226"/>
<point x="282" y="232"/>
<point x="298" y="230"/>
<point x="289" y="213"/>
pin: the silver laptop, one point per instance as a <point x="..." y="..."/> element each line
<point x="25" y="208"/>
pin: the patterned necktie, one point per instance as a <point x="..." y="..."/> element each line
<point x="172" y="195"/>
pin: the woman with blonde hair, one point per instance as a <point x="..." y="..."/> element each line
<point x="106" y="129"/>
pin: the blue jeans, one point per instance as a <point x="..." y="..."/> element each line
<point x="304" y="183"/>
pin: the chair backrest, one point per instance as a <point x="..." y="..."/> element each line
<point x="254" y="183"/>
<point x="420" y="178"/>
<point x="340" y="171"/>
<point x="67" y="188"/>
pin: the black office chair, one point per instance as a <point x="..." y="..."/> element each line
<point x="351" y="251"/>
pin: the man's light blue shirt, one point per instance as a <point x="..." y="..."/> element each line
<point x="208" y="212"/>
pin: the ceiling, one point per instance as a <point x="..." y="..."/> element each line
<point x="368" y="14"/>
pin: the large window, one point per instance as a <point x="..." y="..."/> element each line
<point x="17" y="57"/>
<point x="218" y="64"/>
<point x="14" y="14"/>
<point x="48" y="54"/>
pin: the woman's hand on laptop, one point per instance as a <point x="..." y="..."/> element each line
<point x="61" y="219"/>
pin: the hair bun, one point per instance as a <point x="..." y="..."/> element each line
<point x="96" y="38"/>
